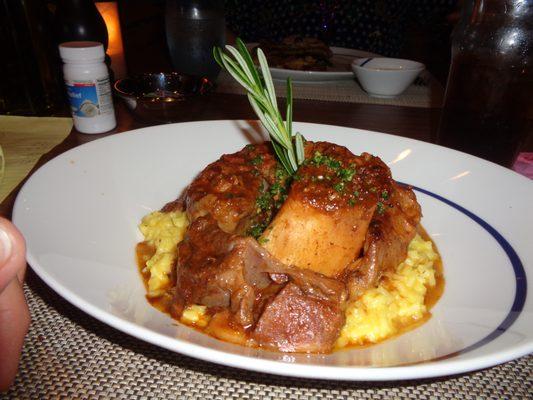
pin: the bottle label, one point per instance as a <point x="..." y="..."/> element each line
<point x="90" y="98"/>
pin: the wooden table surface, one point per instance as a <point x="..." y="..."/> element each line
<point x="417" y="123"/>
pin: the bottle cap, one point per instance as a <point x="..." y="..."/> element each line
<point x="81" y="51"/>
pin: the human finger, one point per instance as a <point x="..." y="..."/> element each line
<point x="14" y="324"/>
<point x="12" y="253"/>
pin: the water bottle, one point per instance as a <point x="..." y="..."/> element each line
<point x="193" y="28"/>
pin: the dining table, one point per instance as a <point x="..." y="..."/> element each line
<point x="69" y="354"/>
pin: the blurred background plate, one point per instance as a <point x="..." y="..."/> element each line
<point x="340" y="70"/>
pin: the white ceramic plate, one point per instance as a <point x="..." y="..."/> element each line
<point x="340" y="70"/>
<point x="79" y="214"/>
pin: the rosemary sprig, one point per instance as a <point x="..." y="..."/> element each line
<point x="262" y="96"/>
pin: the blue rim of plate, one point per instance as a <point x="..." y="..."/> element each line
<point x="518" y="268"/>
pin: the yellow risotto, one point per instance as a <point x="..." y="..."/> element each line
<point x="163" y="231"/>
<point x="397" y="301"/>
<point x="381" y="312"/>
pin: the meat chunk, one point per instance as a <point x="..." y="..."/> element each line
<point x="324" y="221"/>
<point x="228" y="189"/>
<point x="221" y="271"/>
<point x="224" y="271"/>
<point x="200" y="253"/>
<point x="297" y="322"/>
<point x="314" y="239"/>
<point x="386" y="241"/>
<point x="237" y="275"/>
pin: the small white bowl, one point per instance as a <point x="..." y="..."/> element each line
<point x="386" y="77"/>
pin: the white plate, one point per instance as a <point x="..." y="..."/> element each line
<point x="340" y="70"/>
<point x="79" y="214"/>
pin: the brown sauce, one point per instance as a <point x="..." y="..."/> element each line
<point x="144" y="252"/>
<point x="221" y="329"/>
<point x="434" y="293"/>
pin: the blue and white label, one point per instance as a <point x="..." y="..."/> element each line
<point x="89" y="99"/>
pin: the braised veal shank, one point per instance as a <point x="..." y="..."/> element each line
<point x="275" y="257"/>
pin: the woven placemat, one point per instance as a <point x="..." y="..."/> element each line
<point x="69" y="355"/>
<point x="427" y="92"/>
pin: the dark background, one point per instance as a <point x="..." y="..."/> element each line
<point x="143" y="29"/>
<point x="31" y="82"/>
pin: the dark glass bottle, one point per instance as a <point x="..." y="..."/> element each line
<point x="488" y="95"/>
<point x="193" y="28"/>
<point x="79" y="20"/>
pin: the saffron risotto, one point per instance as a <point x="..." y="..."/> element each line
<point x="381" y="312"/>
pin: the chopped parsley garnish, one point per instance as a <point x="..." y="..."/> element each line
<point x="380" y="208"/>
<point x="339" y="187"/>
<point x="356" y="193"/>
<point x="275" y="188"/>
<point x="346" y="174"/>
<point x="262" y="241"/>
<point x="385" y="194"/>
<point x="320" y="159"/>
<point x="256" y="160"/>
<point x="269" y="199"/>
<point x="278" y="190"/>
<point x="281" y="174"/>
<point x="256" y="230"/>
<point x="263" y="201"/>
<point x="351" y="202"/>
<point x="332" y="163"/>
